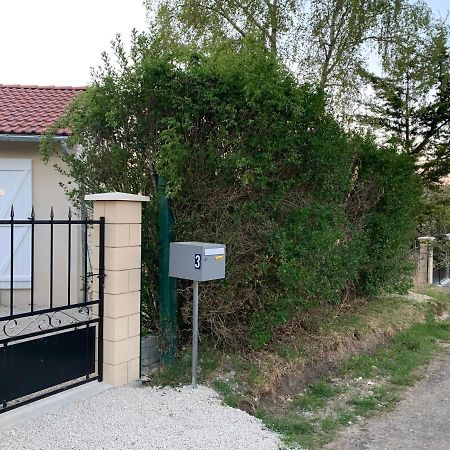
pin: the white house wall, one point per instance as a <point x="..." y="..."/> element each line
<point x="46" y="192"/>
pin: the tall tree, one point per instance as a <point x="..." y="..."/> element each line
<point x="336" y="44"/>
<point x="322" y="40"/>
<point x="204" y="20"/>
<point x="338" y="32"/>
<point x="411" y="102"/>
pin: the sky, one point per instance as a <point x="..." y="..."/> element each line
<point x="56" y="42"/>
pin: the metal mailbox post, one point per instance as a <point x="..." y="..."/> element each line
<point x="196" y="261"/>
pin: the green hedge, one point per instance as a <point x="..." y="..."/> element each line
<point x="309" y="212"/>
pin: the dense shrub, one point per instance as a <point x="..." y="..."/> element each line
<point x="308" y="212"/>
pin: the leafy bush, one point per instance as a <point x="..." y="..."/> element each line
<point x="308" y="212"/>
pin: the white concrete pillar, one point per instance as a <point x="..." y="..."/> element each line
<point x="121" y="321"/>
<point x="425" y="265"/>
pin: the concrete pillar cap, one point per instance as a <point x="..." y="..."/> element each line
<point x="117" y="196"/>
<point x="426" y="238"/>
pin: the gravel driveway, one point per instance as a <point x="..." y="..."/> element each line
<point x="143" y="418"/>
<point x="421" y="421"/>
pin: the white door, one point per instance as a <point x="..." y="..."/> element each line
<point x="15" y="189"/>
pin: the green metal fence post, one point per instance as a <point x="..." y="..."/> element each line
<point x="167" y="285"/>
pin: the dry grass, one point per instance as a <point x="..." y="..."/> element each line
<point x="312" y="345"/>
<point x="315" y="343"/>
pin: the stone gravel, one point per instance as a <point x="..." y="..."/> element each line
<point x="143" y="418"/>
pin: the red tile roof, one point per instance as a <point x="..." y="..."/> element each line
<point x="32" y="109"/>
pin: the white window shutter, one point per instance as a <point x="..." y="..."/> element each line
<point x="15" y="189"/>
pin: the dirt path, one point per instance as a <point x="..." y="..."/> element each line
<point x="420" y="421"/>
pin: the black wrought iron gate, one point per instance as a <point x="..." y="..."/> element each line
<point x="56" y="343"/>
<point x="440" y="248"/>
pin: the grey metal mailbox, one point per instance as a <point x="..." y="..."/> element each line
<point x="197" y="261"/>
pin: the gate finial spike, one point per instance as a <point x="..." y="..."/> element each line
<point x="12" y="211"/>
<point x="52" y="215"/>
<point x="70" y="213"/>
<point x="32" y="213"/>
